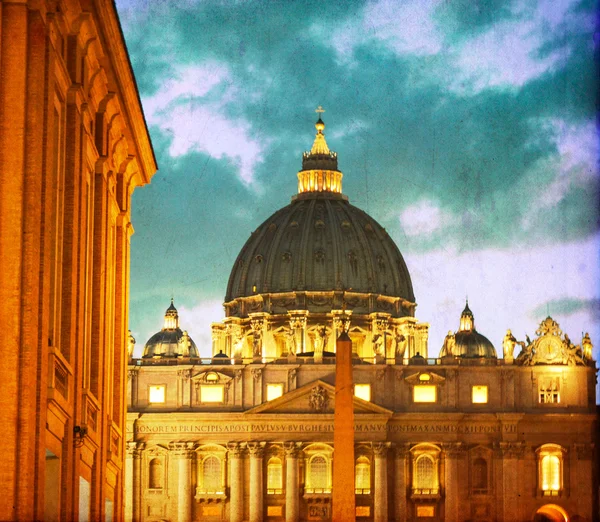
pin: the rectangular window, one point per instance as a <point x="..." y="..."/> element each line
<point x="156" y="394"/>
<point x="549" y="390"/>
<point x="363" y="391"/>
<point x="424" y="393"/>
<point x="274" y="511"/>
<point x="274" y="391"/>
<point x="214" y="393"/>
<point x="479" y="394"/>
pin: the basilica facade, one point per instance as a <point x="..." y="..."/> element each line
<point x="458" y="435"/>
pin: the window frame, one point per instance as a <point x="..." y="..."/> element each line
<point x="549" y="451"/>
<point x="431" y="453"/>
<point x="365" y="463"/>
<point x="275" y="462"/>
<point x="157" y="386"/>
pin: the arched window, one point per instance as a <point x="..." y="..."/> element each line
<point x="479" y="476"/>
<point x="318" y="479"/>
<point x="550" y="465"/>
<point x="362" y="476"/>
<point x="211" y="475"/>
<point x="155" y="474"/>
<point x="274" y="476"/>
<point x="424" y="478"/>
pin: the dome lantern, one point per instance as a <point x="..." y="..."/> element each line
<point x="319" y="165"/>
<point x="171" y="317"/>
<point x="467" y="322"/>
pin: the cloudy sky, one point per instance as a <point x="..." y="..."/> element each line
<point x="466" y="128"/>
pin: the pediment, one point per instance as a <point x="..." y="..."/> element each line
<point x="425" y="377"/>
<point x="211" y="377"/>
<point x="316" y="397"/>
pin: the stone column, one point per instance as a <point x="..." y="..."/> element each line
<point x="183" y="452"/>
<point x="292" y="500"/>
<point x="236" y="488"/>
<point x="402" y="453"/>
<point x="133" y="489"/>
<point x="452" y="452"/>
<point x="510" y="453"/>
<point x="256" y="451"/>
<point x="381" y="486"/>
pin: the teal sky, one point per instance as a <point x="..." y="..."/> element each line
<point x="467" y="129"/>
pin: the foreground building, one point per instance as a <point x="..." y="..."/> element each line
<point x="73" y="146"/>
<point x="248" y="433"/>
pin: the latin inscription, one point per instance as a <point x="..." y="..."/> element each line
<point x="324" y="428"/>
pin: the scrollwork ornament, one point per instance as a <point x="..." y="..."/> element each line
<point x="257" y="373"/>
<point x="235" y="449"/>
<point x="402" y="450"/>
<point x="256" y="449"/>
<point x="182" y="450"/>
<point x="454" y="450"/>
<point x="510" y="450"/>
<point x="380" y="449"/>
<point x="135" y="449"/>
<point x="292" y="449"/>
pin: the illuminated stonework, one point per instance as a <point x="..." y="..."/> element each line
<point x="464" y="436"/>
<point x="73" y="148"/>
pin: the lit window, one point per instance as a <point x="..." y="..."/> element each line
<point x="274" y="476"/>
<point x="424" y="377"/>
<point x="318" y="479"/>
<point x="479" y="394"/>
<point x="479" y="476"/>
<point x="425" y="479"/>
<point x="212" y="393"/>
<point x="211" y="476"/>
<point x="549" y="390"/>
<point x="274" y="391"/>
<point x="424" y="473"/>
<point x="363" y="391"/>
<point x="550" y="468"/>
<point x="424" y="393"/>
<point x="155" y="474"/>
<point x="362" y="476"/>
<point x="156" y="394"/>
<point x="212" y="377"/>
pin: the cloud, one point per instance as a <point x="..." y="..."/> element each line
<point x="191" y="108"/>
<point x="406" y="27"/>
<point x="507" y="288"/>
<point x="574" y="164"/>
<point x="515" y="51"/>
<point x="197" y="320"/>
<point x="424" y="218"/>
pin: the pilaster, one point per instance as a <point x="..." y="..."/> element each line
<point x="236" y="487"/>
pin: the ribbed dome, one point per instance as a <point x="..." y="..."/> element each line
<point x="473" y="344"/>
<point x="171" y="341"/>
<point x="320" y="242"/>
<point x="467" y="342"/>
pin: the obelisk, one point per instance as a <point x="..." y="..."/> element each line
<point x="343" y="432"/>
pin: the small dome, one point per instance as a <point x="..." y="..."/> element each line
<point x="473" y="344"/>
<point x="467" y="342"/>
<point x="171" y="341"/>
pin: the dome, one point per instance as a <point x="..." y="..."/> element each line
<point x="467" y="342"/>
<point x="171" y="341"/>
<point x="320" y="242"/>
